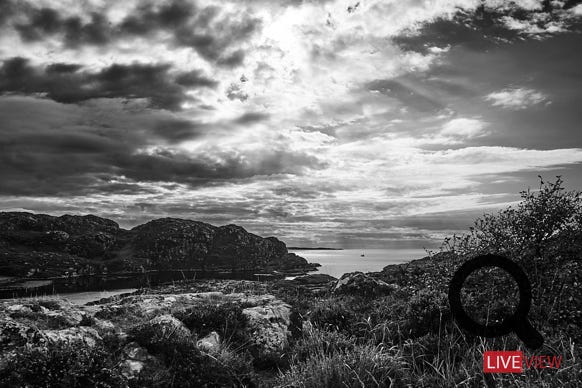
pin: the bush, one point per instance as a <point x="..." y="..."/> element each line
<point x="427" y="312"/>
<point x="62" y="365"/>
<point x="226" y="319"/>
<point x="333" y="314"/>
<point x="543" y="233"/>
<point x="546" y="222"/>
<point x="186" y="366"/>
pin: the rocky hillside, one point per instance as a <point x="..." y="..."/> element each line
<point x="39" y="245"/>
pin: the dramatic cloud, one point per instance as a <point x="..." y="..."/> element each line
<point x="215" y="34"/>
<point x="378" y="123"/>
<point x="56" y="150"/>
<point x="516" y="98"/>
<point x="491" y="23"/>
<point x="68" y="84"/>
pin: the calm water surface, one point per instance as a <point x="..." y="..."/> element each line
<point x="336" y="263"/>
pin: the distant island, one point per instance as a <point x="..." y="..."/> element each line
<point x="314" y="249"/>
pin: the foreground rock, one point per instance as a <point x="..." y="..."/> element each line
<point x="270" y="327"/>
<point x="358" y="283"/>
<point x="144" y="325"/>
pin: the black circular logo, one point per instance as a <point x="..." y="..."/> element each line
<point x="516" y="323"/>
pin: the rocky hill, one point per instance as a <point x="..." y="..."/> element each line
<point x="41" y="246"/>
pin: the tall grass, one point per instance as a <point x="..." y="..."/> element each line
<point x="447" y="358"/>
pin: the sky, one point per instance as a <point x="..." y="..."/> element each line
<point x="378" y="124"/>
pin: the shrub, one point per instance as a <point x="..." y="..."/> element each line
<point x="226" y="319"/>
<point x="427" y="312"/>
<point x="543" y="233"/>
<point x="546" y="222"/>
<point x="334" y="314"/>
<point x="186" y="366"/>
<point x="489" y="295"/>
<point x="62" y="365"/>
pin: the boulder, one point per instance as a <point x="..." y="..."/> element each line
<point x="57" y="236"/>
<point x="314" y="279"/>
<point x="269" y="327"/>
<point x="210" y="343"/>
<point x="161" y="330"/>
<point x="358" y="283"/>
<point x="87" y="335"/>
<point x="135" y="359"/>
<point x="18" y="309"/>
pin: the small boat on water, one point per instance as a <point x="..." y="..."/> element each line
<point x="362" y="255"/>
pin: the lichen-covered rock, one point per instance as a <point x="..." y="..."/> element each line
<point x="145" y="329"/>
<point x="210" y="343"/>
<point x="13" y="333"/>
<point x="358" y="283"/>
<point x="163" y="329"/>
<point x="86" y="335"/>
<point x="269" y="327"/>
<point x="135" y="359"/>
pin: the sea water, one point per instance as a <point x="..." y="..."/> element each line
<point x="336" y="263"/>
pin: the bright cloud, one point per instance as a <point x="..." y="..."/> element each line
<point x="463" y="127"/>
<point x="517" y="98"/>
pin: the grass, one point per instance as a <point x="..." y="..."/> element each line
<point x="360" y="366"/>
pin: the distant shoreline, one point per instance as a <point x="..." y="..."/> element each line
<point x="313" y="249"/>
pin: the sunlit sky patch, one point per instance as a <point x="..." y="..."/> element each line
<point x="335" y="123"/>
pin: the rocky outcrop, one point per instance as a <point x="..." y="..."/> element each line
<point x="314" y="279"/>
<point x="144" y="326"/>
<point x="40" y="246"/>
<point x="172" y="242"/>
<point x="358" y="283"/>
<point x="317" y="283"/>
